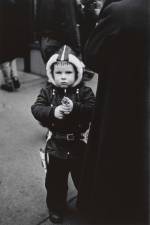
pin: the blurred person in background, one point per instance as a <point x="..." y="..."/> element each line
<point x="64" y="22"/>
<point x="88" y="20"/>
<point x="90" y="14"/>
<point x="15" y="36"/>
<point x="10" y="75"/>
<point x="56" y="25"/>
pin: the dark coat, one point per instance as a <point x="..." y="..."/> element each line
<point x="114" y="184"/>
<point x="88" y="21"/>
<point x="76" y="122"/>
<point x="15" y="28"/>
<point x="58" y="20"/>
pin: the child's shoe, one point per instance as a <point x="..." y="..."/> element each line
<point x="55" y="217"/>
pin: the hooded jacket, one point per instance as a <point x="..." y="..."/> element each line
<point x="77" y="122"/>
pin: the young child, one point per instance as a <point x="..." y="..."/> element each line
<point x="65" y="107"/>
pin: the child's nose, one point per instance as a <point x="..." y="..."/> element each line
<point x="63" y="76"/>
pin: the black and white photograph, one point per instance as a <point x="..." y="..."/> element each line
<point x="74" y="112"/>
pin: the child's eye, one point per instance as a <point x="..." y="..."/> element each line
<point x="58" y="72"/>
<point x="68" y="72"/>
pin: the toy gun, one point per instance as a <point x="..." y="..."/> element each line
<point x="65" y="101"/>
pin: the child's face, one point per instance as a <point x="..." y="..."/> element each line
<point x="64" y="75"/>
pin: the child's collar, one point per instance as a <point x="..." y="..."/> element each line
<point x="69" y="89"/>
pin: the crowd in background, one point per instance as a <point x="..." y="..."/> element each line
<point x="51" y="23"/>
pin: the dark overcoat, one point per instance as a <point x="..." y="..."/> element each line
<point x="15" y="28"/>
<point x="114" y="187"/>
<point x="58" y="20"/>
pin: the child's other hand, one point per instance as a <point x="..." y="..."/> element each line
<point x="59" y="112"/>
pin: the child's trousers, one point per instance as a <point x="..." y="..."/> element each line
<point x="57" y="180"/>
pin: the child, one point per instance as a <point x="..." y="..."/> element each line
<point x="65" y="107"/>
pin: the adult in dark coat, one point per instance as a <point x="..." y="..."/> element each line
<point x="114" y="188"/>
<point x="91" y="10"/>
<point x="57" y="25"/>
<point x="15" y="28"/>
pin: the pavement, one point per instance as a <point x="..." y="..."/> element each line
<point x="22" y="178"/>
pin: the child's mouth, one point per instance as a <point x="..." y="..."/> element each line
<point x="63" y="83"/>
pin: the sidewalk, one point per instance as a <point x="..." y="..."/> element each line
<point x="22" y="191"/>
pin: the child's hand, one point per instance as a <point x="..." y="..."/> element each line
<point x="59" y="112"/>
<point x="67" y="105"/>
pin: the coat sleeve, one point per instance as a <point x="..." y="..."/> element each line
<point x="85" y="107"/>
<point x="42" y="109"/>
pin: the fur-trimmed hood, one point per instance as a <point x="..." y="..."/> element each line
<point x="65" y="54"/>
